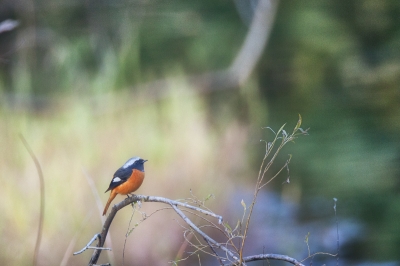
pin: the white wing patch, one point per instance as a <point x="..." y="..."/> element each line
<point x="116" y="179"/>
<point x="130" y="162"/>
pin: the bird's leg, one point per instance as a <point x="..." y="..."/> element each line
<point x="138" y="202"/>
<point x="129" y="196"/>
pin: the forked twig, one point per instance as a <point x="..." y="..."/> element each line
<point x="90" y="247"/>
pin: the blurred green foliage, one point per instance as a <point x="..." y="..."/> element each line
<point x="335" y="62"/>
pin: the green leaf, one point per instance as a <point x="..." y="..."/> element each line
<point x="237" y="225"/>
<point x="208" y="197"/>
<point x="279" y="131"/>
<point x="298" y="124"/>
<point x="306" y="238"/>
<point x="228" y="227"/>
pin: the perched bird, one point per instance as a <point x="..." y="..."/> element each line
<point x="126" y="179"/>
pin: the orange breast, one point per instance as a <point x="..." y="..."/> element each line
<point x="132" y="184"/>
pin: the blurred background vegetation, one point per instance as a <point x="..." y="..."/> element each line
<point x="69" y="76"/>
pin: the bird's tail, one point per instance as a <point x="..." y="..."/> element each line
<point x="113" y="194"/>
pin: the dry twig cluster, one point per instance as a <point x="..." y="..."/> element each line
<point x="230" y="251"/>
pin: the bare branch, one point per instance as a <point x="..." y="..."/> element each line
<point x="136" y="198"/>
<point x="272" y="257"/>
<point x="174" y="202"/>
<point x="211" y="243"/>
<point x="232" y="254"/>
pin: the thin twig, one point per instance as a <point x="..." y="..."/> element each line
<point x="276" y="174"/>
<point x="210" y="223"/>
<point x="126" y="235"/>
<point x="183" y="246"/>
<point x="215" y="252"/>
<point x="200" y="232"/>
<point x="90" y="247"/>
<point x="318" y="253"/>
<point x="185" y="243"/>
<point x="257" y="189"/>
<point x="42" y="198"/>
<point x="337" y="231"/>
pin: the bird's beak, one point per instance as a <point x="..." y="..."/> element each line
<point x="145" y="161"/>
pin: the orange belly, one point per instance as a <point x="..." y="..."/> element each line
<point x="132" y="184"/>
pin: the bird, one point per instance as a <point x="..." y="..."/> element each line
<point x="127" y="179"/>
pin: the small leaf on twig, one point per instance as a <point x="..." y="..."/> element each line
<point x="227" y="227"/>
<point x="284" y="134"/>
<point x="209" y="197"/>
<point x="304" y="132"/>
<point x="306" y="241"/>
<point x="281" y="128"/>
<point x="269" y="146"/>
<point x="334" y="206"/>
<point x="243" y="204"/>
<point x="237" y="226"/>
<point x="298" y="123"/>
<point x="306" y="238"/>
<point x="287" y="181"/>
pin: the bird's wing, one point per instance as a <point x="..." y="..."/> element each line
<point x="120" y="177"/>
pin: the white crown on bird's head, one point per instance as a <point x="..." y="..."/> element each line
<point x="132" y="161"/>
